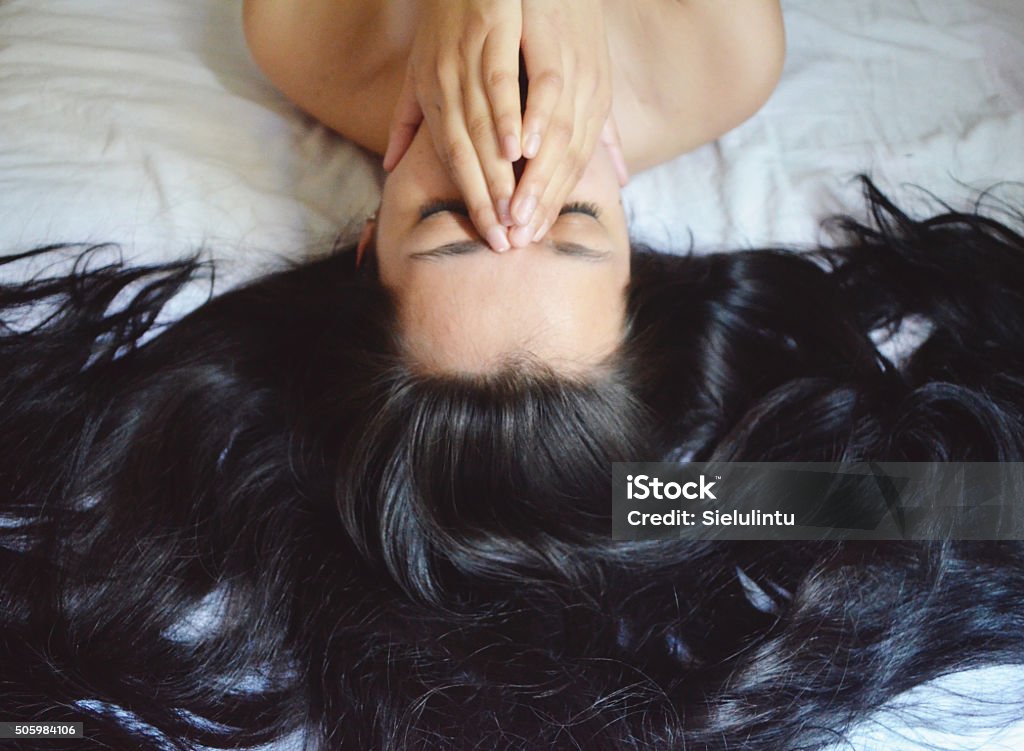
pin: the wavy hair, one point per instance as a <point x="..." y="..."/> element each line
<point x="257" y="521"/>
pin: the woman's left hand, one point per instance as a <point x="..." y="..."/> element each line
<point x="568" y="108"/>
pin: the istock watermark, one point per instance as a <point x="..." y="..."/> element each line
<point x="818" y="501"/>
<point x="641" y="487"/>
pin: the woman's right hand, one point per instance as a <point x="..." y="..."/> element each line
<point x="463" y="79"/>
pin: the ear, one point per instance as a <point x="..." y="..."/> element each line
<point x="365" y="238"/>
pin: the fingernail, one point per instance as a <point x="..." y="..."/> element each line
<point x="504" y="215"/>
<point x="532" y="146"/>
<point x="497" y="240"/>
<point x="510" y="145"/>
<point x="520" y="237"/>
<point x="525" y="210"/>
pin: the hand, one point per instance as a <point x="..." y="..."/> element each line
<point x="463" y="78"/>
<point x="568" y="108"/>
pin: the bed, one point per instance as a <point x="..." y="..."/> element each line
<point x="147" y="125"/>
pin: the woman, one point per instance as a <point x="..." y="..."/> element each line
<point x="685" y="73"/>
<point x="274" y="516"/>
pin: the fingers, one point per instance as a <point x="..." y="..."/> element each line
<point x="486" y="181"/>
<point x="464" y="138"/>
<point x="501" y="80"/>
<point x="463" y="81"/>
<point x="536" y="177"/>
<point x="497" y="117"/>
<point x="569" y="166"/>
<point x="547" y="83"/>
<point x="544" y="174"/>
<point x="404" y="123"/>
<point x="461" y="161"/>
<point x="565" y="151"/>
<point x="458" y="117"/>
<point x="471" y="134"/>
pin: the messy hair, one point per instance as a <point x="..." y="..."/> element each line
<point x="258" y="521"/>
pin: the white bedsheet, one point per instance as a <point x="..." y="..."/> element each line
<point x="913" y="92"/>
<point x="146" y="124"/>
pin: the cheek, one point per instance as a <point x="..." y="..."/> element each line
<point x="600" y="172"/>
<point x="421" y="169"/>
<point x="600" y="185"/>
<point x="387" y="241"/>
<point x="417" y="179"/>
<point x="398" y="211"/>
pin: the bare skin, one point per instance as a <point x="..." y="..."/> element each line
<point x="681" y="74"/>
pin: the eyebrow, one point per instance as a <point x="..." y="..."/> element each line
<point x="466" y="247"/>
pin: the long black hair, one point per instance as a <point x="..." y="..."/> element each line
<point x="258" y="521"/>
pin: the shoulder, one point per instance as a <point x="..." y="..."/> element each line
<point x="688" y="71"/>
<point x="341" y="61"/>
<point x="283" y="34"/>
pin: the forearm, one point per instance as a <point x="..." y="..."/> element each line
<point x="688" y="71"/>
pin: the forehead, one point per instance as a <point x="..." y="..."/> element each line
<point x="472" y="316"/>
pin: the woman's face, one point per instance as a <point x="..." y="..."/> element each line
<point x="465" y="308"/>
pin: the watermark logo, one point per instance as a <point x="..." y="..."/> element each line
<point x="642" y="487"/>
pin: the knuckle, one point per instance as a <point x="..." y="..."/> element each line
<point x="456" y="155"/>
<point x="551" y="80"/>
<point x="479" y="127"/>
<point x="477" y="25"/>
<point x="561" y="130"/>
<point x="444" y="68"/>
<point x="500" y="79"/>
<point x="507" y="124"/>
